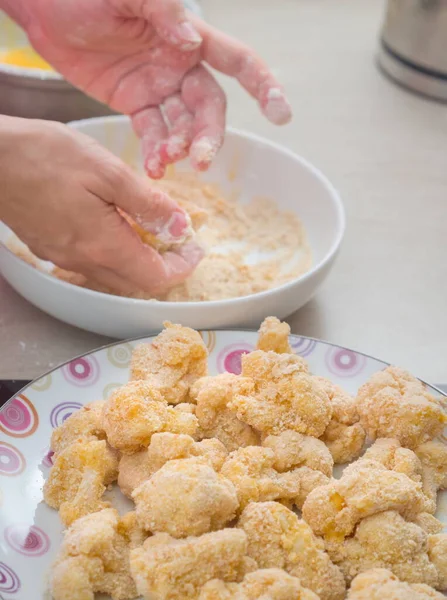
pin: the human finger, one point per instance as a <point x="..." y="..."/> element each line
<point x="232" y="58"/>
<point x="206" y="100"/>
<point x="180" y="125"/>
<point x="171" y="22"/>
<point x="151" y="128"/>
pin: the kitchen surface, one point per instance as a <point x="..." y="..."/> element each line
<point x="382" y="147"/>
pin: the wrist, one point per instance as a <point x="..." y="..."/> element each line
<point x="18" y="10"/>
<point x="15" y="138"/>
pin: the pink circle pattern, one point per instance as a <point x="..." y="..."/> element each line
<point x="302" y="346"/>
<point x="344" y="363"/>
<point x="9" y="582"/>
<point x="82" y="372"/>
<point x="29" y="541"/>
<point x="62" y="411"/>
<point x="19" y="418"/>
<point x="229" y="359"/>
<point x="12" y="462"/>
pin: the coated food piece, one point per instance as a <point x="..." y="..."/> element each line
<point x="172" y="362"/>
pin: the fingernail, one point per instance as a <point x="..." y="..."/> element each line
<point x="276" y="107"/>
<point x="178" y="224"/>
<point x="188" y="34"/>
<point x="155" y="168"/>
<point x="203" y="151"/>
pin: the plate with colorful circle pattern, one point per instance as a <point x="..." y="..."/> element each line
<point x="30" y="531"/>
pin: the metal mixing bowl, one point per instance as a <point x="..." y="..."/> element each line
<point x="37" y="94"/>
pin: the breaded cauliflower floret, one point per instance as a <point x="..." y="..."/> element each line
<point x="390" y="454"/>
<point x="267" y="367"/>
<point x="394" y="404"/>
<point x="185" y="497"/>
<point x="365" y="488"/>
<point x="285" y="396"/>
<point x="381" y="584"/>
<point x="168" y="569"/>
<point x="426" y="464"/>
<point x="94" y="557"/>
<point x="263" y="584"/>
<point x="212" y="396"/>
<point x="293" y="449"/>
<point x="134" y="412"/>
<point x="386" y="540"/>
<point x="78" y="478"/>
<point x="437" y="552"/>
<point x="428" y="523"/>
<point x="136" y="468"/>
<point x="433" y="457"/>
<point x="84" y="424"/>
<point x="274" y="336"/>
<point x="252" y="472"/>
<point x="344" y="436"/>
<point x="172" y="362"/>
<point x="278" y="538"/>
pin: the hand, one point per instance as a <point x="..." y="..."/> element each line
<point x="145" y="58"/>
<point x="61" y="192"/>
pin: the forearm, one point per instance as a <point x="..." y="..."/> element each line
<point x="18" y="10"/>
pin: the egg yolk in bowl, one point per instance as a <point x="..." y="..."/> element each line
<point x="25" y="57"/>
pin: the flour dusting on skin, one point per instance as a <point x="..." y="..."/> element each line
<point x="276" y="108"/>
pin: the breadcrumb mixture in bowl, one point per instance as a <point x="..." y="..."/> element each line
<point x="250" y="247"/>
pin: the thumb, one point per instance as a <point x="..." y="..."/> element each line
<point x="171" y="22"/>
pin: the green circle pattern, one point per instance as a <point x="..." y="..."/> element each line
<point x="120" y="356"/>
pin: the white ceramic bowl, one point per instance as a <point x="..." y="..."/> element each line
<point x="258" y="167"/>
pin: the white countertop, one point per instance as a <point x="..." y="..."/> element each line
<point x="384" y="148"/>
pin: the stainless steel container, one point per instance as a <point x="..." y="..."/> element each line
<point x="23" y="94"/>
<point x="413" y="48"/>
